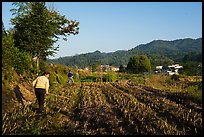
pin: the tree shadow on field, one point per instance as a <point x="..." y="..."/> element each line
<point x="19" y="95"/>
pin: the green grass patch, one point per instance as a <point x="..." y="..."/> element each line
<point x="196" y="93"/>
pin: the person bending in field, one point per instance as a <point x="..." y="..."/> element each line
<point x="70" y="77"/>
<point x="41" y="85"/>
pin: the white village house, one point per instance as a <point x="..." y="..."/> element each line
<point x="158" y="69"/>
<point x="106" y="68"/>
<point x="172" y="69"/>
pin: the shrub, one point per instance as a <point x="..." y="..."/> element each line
<point x="12" y="57"/>
<point x="110" y="76"/>
<point x="196" y="93"/>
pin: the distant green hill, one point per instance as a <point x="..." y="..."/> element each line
<point x="160" y="52"/>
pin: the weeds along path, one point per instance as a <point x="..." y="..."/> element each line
<point x="186" y="120"/>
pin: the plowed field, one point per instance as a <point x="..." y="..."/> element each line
<point x="109" y="109"/>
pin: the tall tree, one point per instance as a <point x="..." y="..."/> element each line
<point x="37" y="28"/>
<point x="139" y="64"/>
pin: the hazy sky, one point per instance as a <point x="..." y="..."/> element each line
<point x="111" y="26"/>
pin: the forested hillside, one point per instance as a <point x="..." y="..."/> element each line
<point x="160" y="52"/>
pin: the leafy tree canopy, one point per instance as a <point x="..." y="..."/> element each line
<point x="139" y="64"/>
<point x="37" y="28"/>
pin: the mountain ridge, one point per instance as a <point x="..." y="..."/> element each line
<point x="172" y="51"/>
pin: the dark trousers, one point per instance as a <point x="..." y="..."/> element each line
<point x="40" y="95"/>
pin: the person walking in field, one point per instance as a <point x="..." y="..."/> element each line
<point x="41" y="85"/>
<point x="70" y="77"/>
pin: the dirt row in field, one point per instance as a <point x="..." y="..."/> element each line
<point x="111" y="100"/>
<point x="111" y="109"/>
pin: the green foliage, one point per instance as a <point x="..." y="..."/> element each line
<point x="32" y="31"/>
<point x="8" y="75"/>
<point x="61" y="69"/>
<point x="12" y="57"/>
<point x="110" y="76"/>
<point x="35" y="31"/>
<point x="7" y="50"/>
<point x="195" y="92"/>
<point x="23" y="62"/>
<point x="52" y="80"/>
<point x="94" y="67"/>
<point x="174" y="50"/>
<point x="37" y="28"/>
<point x="191" y="68"/>
<point x="169" y="81"/>
<point x="158" y="59"/>
<point x="88" y="79"/>
<point x="43" y="67"/>
<point x="139" y="64"/>
<point x="192" y="56"/>
<point x="58" y="76"/>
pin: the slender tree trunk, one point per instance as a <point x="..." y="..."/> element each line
<point x="37" y="65"/>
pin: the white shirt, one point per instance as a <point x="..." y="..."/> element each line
<point x="41" y="82"/>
